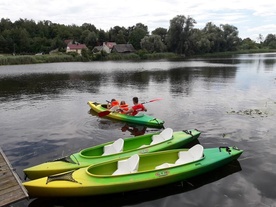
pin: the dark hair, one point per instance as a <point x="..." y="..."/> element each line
<point x="113" y="99"/>
<point x="135" y="99"/>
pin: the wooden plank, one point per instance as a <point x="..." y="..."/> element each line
<point x="11" y="187"/>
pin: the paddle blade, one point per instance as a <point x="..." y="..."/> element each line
<point x="104" y="113"/>
<point x="157" y="99"/>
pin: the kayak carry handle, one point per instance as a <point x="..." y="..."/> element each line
<point x="227" y="149"/>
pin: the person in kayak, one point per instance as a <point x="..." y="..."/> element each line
<point x="123" y="107"/>
<point x="113" y="102"/>
<point x="136" y="108"/>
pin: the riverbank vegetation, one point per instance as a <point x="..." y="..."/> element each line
<point x="25" y="41"/>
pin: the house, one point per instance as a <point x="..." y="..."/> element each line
<point x="75" y="48"/>
<point x="107" y="47"/>
<point x="123" y="48"/>
<point x="97" y="49"/>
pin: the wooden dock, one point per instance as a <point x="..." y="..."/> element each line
<point x="11" y="189"/>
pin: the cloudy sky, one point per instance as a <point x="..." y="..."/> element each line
<point x="251" y="17"/>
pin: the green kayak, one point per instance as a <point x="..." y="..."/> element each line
<point x="136" y="172"/>
<point x="141" y="119"/>
<point x="120" y="148"/>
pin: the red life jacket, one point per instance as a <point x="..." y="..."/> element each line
<point x="137" y="108"/>
<point x="114" y="103"/>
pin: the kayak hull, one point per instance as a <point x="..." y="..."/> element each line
<point x="141" y="119"/>
<point x="94" y="155"/>
<point x="98" y="179"/>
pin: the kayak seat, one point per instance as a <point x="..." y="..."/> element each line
<point x="114" y="148"/>
<point x="193" y="154"/>
<point x="127" y="166"/>
<point x="166" y="134"/>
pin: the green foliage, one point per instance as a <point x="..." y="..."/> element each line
<point x="248" y="44"/>
<point x="162" y="32"/>
<point x="153" y="43"/>
<point x="26" y="37"/>
<point x="32" y="59"/>
<point x="137" y="33"/>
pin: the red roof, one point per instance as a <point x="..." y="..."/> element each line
<point x="76" y="46"/>
<point x="110" y="44"/>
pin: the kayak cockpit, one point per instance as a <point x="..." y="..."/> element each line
<point x="121" y="145"/>
<point x="136" y="163"/>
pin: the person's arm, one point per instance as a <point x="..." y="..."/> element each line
<point x="145" y="109"/>
<point x="129" y="111"/>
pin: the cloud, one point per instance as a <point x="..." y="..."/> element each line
<point x="246" y="15"/>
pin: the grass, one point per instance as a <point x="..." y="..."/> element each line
<point x="35" y="59"/>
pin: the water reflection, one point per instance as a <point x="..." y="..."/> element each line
<point x="136" y="197"/>
<point x="49" y="84"/>
<point x="134" y="130"/>
<point x="180" y="80"/>
<point x="44" y="115"/>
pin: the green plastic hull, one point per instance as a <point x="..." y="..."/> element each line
<point x="142" y="119"/>
<point x="98" y="179"/>
<point x="93" y="155"/>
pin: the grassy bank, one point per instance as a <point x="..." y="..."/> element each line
<point x="228" y="54"/>
<point x="35" y="59"/>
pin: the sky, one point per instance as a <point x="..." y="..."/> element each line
<point x="251" y="17"/>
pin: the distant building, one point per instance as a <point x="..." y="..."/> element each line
<point x="107" y="47"/>
<point x="75" y="48"/>
<point x="123" y="48"/>
<point x="97" y="49"/>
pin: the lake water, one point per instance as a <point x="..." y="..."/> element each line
<point x="44" y="115"/>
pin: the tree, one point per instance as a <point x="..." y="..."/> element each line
<point x="121" y="38"/>
<point x="89" y="27"/>
<point x="179" y="32"/>
<point x="118" y="34"/>
<point x="137" y="33"/>
<point x="102" y="36"/>
<point x="199" y="44"/>
<point x="162" y="32"/>
<point x="174" y="38"/>
<point x="230" y="37"/>
<point x="248" y="44"/>
<point x="270" y="41"/>
<point x="153" y="43"/>
<point x="215" y="35"/>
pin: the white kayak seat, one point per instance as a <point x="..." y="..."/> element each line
<point x="114" y="148"/>
<point x="128" y="166"/>
<point x="164" y="165"/>
<point x="193" y="154"/>
<point x="165" y="135"/>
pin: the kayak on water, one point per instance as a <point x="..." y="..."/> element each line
<point x="140" y="118"/>
<point x="136" y="172"/>
<point x="120" y="148"/>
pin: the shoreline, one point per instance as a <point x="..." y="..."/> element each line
<point x="53" y="58"/>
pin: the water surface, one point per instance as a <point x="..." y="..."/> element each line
<point x="44" y="115"/>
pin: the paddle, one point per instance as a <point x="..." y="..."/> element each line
<point x="105" y="113"/>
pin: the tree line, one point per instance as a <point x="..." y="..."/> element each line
<point x="28" y="37"/>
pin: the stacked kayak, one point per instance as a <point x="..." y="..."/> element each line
<point x="121" y="148"/>
<point x="133" y="173"/>
<point x="141" y="119"/>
